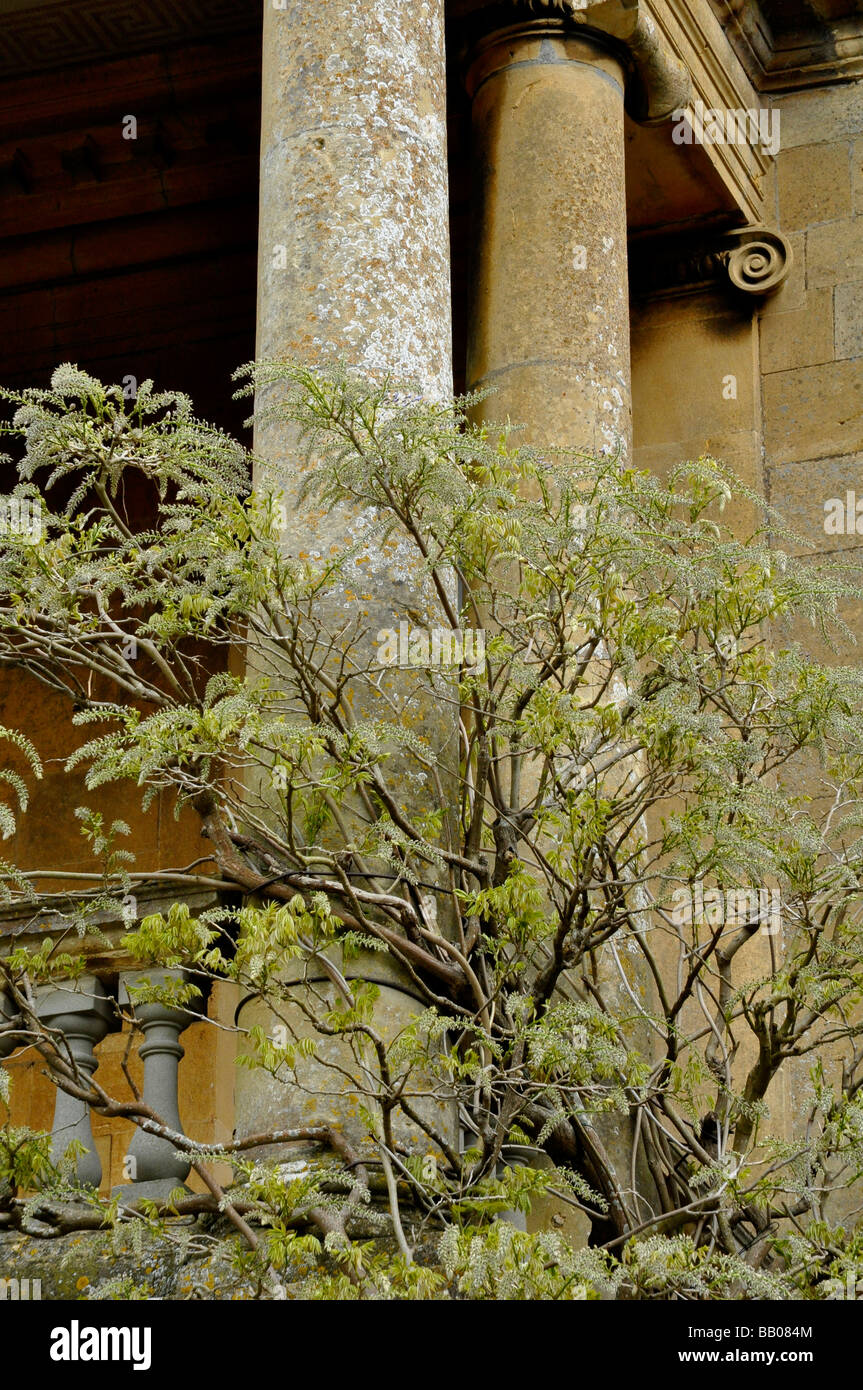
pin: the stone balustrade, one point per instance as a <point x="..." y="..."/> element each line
<point x="84" y="1012"/>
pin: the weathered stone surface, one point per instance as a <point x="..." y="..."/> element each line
<point x="741" y="452"/>
<point x="649" y="312"/>
<point x="80" y="1267"/>
<point x="549" y="307"/>
<point x="840" y="650"/>
<point x="800" y="338"/>
<point x="814" y="184"/>
<point x="68" y="1266"/>
<point x="791" y="294"/>
<point x="694" y="378"/>
<point x="820" y="115"/>
<point x="800" y="491"/>
<point x="318" y="1090"/>
<point x="834" y="252"/>
<point x="193" y="1262"/>
<point x="354" y="254"/>
<point x="813" y="412"/>
<point x="849" y="320"/>
<point x="549" y="327"/>
<point x="354" y="268"/>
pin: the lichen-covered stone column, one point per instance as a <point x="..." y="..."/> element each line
<point x="549" y="313"/>
<point x="354" y="240"/>
<point x="354" y="268"/>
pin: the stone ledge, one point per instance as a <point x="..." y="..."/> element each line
<point x="20" y="922"/>
<point x="70" y="1268"/>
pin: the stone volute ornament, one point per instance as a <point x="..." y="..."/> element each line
<point x="757" y="260"/>
<point x="754" y="261"/>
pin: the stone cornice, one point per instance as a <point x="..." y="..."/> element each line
<point x="777" y="60"/>
<point x="720" y="82"/>
<point x="28" y="924"/>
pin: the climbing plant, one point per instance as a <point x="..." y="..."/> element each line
<point x="587" y="794"/>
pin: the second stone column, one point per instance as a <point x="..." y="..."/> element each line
<point x="549" y="312"/>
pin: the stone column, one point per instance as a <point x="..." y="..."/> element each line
<point x="353" y="254"/>
<point x="354" y="217"/>
<point x="353" y="268"/>
<point x="83" y="1013"/>
<point x="549" y="312"/>
<point x="152" y="1164"/>
<point x="548" y="326"/>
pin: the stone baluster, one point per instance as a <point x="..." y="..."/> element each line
<point x="82" y="1012"/>
<point x="8" y="1014"/>
<point x="152" y="1166"/>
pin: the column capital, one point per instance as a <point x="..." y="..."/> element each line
<point x="658" y="83"/>
<point x="754" y="261"/>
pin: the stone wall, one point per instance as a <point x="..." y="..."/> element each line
<point x="811" y="334"/>
<point x="776" y="391"/>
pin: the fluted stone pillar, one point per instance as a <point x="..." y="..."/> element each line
<point x="82" y="1012"/>
<point x="152" y="1164"/>
<point x="353" y="268"/>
